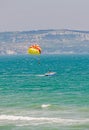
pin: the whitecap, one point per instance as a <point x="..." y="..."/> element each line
<point x="45" y="105"/>
<point x="43" y="120"/>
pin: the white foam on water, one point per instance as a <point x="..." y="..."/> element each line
<point x="39" y="75"/>
<point x="45" y="105"/>
<point x="44" y="119"/>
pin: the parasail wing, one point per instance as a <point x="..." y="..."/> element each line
<point x="34" y="49"/>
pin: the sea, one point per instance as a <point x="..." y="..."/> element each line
<point x="29" y="100"/>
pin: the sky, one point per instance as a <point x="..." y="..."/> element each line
<point x="26" y="15"/>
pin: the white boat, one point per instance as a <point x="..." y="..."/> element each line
<point x="50" y="73"/>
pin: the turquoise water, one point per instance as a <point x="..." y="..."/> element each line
<point x="31" y="101"/>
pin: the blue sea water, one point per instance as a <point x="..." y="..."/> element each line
<point x="31" y="101"/>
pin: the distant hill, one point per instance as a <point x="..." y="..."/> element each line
<point x="62" y="41"/>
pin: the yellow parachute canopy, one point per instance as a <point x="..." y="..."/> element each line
<point x="34" y="49"/>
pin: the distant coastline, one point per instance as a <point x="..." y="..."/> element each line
<point x="52" y="41"/>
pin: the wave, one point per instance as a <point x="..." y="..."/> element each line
<point x="45" y="105"/>
<point x="44" y="119"/>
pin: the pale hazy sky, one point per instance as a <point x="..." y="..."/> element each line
<point x="22" y="15"/>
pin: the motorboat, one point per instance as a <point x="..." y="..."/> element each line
<point x="50" y="73"/>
